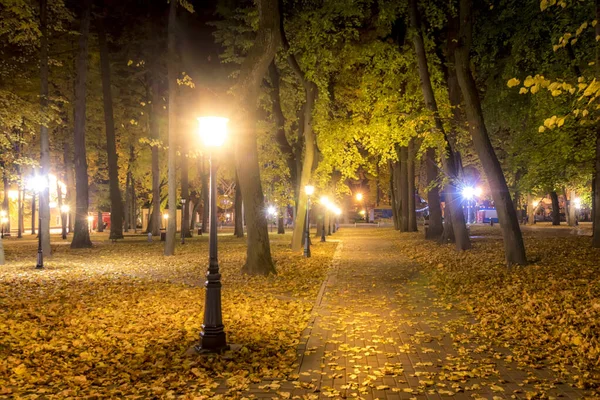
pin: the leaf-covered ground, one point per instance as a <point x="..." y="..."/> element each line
<point x="116" y="320"/>
<point x="547" y="313"/>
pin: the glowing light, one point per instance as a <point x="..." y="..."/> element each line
<point x="468" y="192"/>
<point x="213" y="130"/>
<point x="52" y="204"/>
<point x="309" y="189"/>
<point x="337" y="211"/>
<point x="13" y="194"/>
<point x="359" y="196"/>
<point x="166" y="216"/>
<point x="535" y="203"/>
<point x="65" y="208"/>
<point x="577" y="202"/>
<point x="325" y="201"/>
<point x="90" y="219"/>
<point x="478" y="191"/>
<point x="2" y="213"/>
<point x="228" y="215"/>
<point x="362" y="212"/>
<point x="271" y="210"/>
<point x="4" y="220"/>
<point x="37" y="183"/>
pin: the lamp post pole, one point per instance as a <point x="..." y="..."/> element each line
<point x="212" y="337"/>
<point x="309" y="191"/>
<point x="2" y="216"/>
<point x="323" y="228"/>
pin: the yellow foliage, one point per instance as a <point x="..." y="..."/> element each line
<point x="513" y="82"/>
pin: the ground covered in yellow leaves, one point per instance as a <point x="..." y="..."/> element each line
<point x="116" y="320"/>
<point x="547" y="313"/>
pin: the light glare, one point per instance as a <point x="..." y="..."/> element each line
<point x="213" y="130"/>
<point x="309" y="189"/>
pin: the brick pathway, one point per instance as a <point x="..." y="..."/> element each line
<point x="379" y="332"/>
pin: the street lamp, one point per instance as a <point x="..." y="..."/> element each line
<point x="469" y="193"/>
<point x="91" y="222"/>
<point x="182" y="220"/>
<point x="213" y="131"/>
<point x="39" y="183"/>
<point x="64" y="209"/>
<point x="309" y="192"/>
<point x="272" y="212"/>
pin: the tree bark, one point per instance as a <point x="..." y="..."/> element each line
<point x="172" y="155"/>
<point x="393" y="201"/>
<point x="100" y="224"/>
<point x="239" y="220"/>
<point x="252" y="71"/>
<point x="412" y="213"/>
<point x="459" y="227"/>
<point x="44" y="137"/>
<point x="571" y="209"/>
<point x="67" y="160"/>
<point x="403" y="188"/>
<point x="116" y="202"/>
<point x="6" y="202"/>
<point x="81" y="236"/>
<point x="514" y="247"/>
<point x="280" y="221"/>
<point x="155" y="134"/>
<point x="436" y="227"/>
<point x="33" y="213"/>
<point x="555" y="208"/>
<point x="205" y="197"/>
<point x="596" y="193"/>
<point x="185" y="195"/>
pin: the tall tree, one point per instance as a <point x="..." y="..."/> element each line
<point x="44" y="137"/>
<point x="155" y="219"/>
<point x="81" y="236"/>
<point x="514" y="248"/>
<point x="252" y="72"/>
<point x="237" y="212"/>
<point x="172" y="173"/>
<point x="116" y="202"/>
<point x="461" y="234"/>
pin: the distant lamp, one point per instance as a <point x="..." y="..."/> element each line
<point x="13" y="194"/>
<point x="535" y="203"/>
<point x="272" y="211"/>
<point x="166" y="216"/>
<point x="362" y="212"/>
<point x="577" y="202"/>
<point x="65" y="208"/>
<point x="37" y="184"/>
<point x="310" y="190"/>
<point x="52" y="204"/>
<point x="468" y="192"/>
<point x="359" y="196"/>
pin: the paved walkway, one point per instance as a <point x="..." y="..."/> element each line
<point x="379" y="332"/>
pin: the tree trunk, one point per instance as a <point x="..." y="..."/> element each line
<point x="461" y="234"/>
<point x="6" y="202"/>
<point x="555" y="208"/>
<point x="572" y="210"/>
<point x="116" y="203"/>
<point x="185" y="195"/>
<point x="81" y="236"/>
<point x="412" y="213"/>
<point x="20" y="222"/>
<point x="172" y="173"/>
<point x="281" y="222"/>
<point x="154" y="134"/>
<point x="514" y="247"/>
<point x="436" y="227"/>
<point x="239" y="221"/>
<point x="44" y="137"/>
<point x="393" y="201"/>
<point x="100" y="223"/>
<point x="67" y="160"/>
<point x="448" y="232"/>
<point x="252" y="71"/>
<point x="205" y="196"/>
<point x="403" y="188"/>
<point x="2" y="260"/>
<point x="33" y="213"/>
<point x="127" y="214"/>
<point x="398" y="188"/>
<point x="596" y="193"/>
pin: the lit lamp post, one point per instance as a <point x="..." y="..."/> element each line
<point x="361" y="199"/>
<point x="91" y="222"/>
<point x="272" y="212"/>
<point x="182" y="220"/>
<point x="37" y="184"/>
<point x="3" y="221"/>
<point x="64" y="209"/>
<point x="213" y="131"/>
<point x="337" y="213"/>
<point x="309" y="192"/>
<point x="469" y="193"/>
